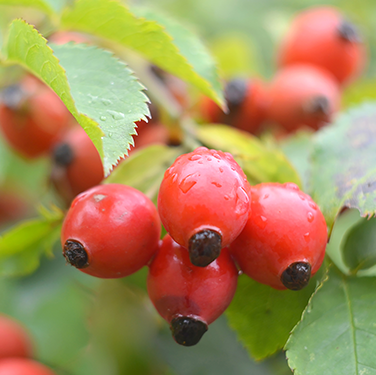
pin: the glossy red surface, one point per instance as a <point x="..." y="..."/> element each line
<point x="118" y="226"/>
<point x="292" y="93"/>
<point x="314" y="38"/>
<point x="14" y="339"/>
<point x="285" y="226"/>
<point x="205" y="189"/>
<point x="22" y="366"/>
<point x="178" y="288"/>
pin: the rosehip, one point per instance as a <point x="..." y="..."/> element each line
<point x="303" y="95"/>
<point x="203" y="202"/>
<point x="110" y="231"/>
<point x="323" y="37"/>
<point x="23" y="366"/>
<point x="189" y="298"/>
<point x="77" y="164"/>
<point x="247" y="103"/>
<point x="284" y="240"/>
<point x="32" y="117"/>
<point x="14" y="339"/>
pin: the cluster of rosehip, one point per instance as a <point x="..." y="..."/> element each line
<point x="274" y="232"/>
<point x="16" y="350"/>
<point x="321" y="53"/>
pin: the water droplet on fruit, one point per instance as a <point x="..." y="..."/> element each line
<point x="221" y="169"/>
<point x="217" y="184"/>
<point x="226" y="197"/>
<point x="302" y="197"/>
<point x="209" y="158"/>
<point x="174" y="177"/>
<point x="310" y="217"/>
<point x="103" y="118"/>
<point x="261" y="221"/>
<point x="266" y="196"/>
<point x="241" y="201"/>
<point x="195" y="157"/>
<point x="233" y="168"/>
<point x="292" y="186"/>
<point x="313" y="205"/>
<point x="307" y="237"/>
<point x="216" y="155"/>
<point x="187" y="183"/>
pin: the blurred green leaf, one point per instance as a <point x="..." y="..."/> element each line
<point x="259" y="163"/>
<point x="171" y="47"/>
<point x="359" y="248"/>
<point x="344" y="164"/>
<point x="337" y="331"/>
<point x="42" y="5"/>
<point x="359" y="92"/>
<point x="263" y="317"/>
<point x="22" y="246"/>
<point x="104" y="101"/>
<point x="144" y="169"/>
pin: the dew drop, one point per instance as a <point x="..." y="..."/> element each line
<point x="261" y="221"/>
<point x="307" y="237"/>
<point x="187" y="183"/>
<point x="310" y="217"/>
<point x="106" y="101"/>
<point x="116" y="115"/>
<point x="174" y="177"/>
<point x="227" y="197"/>
<point x="292" y="186"/>
<point x="313" y="205"/>
<point x="216" y="155"/>
<point x="195" y="157"/>
<point x="103" y="118"/>
<point x="266" y="196"/>
<point x="241" y="202"/>
<point x="209" y="158"/>
<point x="302" y="197"/>
<point x="233" y="168"/>
<point x="221" y="169"/>
<point x="200" y="162"/>
<point x="217" y="184"/>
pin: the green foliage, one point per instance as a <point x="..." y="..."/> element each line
<point x="43" y="5"/>
<point x="343" y="167"/>
<point x="22" y="246"/>
<point x="264" y="317"/>
<point x="150" y="39"/>
<point x="259" y="162"/>
<point x="337" y="329"/>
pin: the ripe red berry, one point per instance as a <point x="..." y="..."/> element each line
<point x="32" y="117"/>
<point x="203" y="202"/>
<point x="77" y="164"/>
<point x="247" y="102"/>
<point x="110" y="231"/>
<point x="189" y="298"/>
<point x="23" y="366"/>
<point x="322" y="36"/>
<point x="14" y="339"/>
<point x="303" y="95"/>
<point x="284" y="240"/>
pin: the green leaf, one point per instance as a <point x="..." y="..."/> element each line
<point x="259" y="163"/>
<point x="337" y="334"/>
<point x="344" y="164"/>
<point x="22" y="246"/>
<point x="172" y="47"/>
<point x="358" y="92"/>
<point x="359" y="249"/>
<point x="263" y="317"/>
<point x="100" y="92"/>
<point x="144" y="169"/>
<point x="42" y="5"/>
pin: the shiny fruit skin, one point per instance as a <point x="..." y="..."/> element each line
<point x="32" y="127"/>
<point x="14" y="339"/>
<point x="117" y="225"/>
<point x="204" y="189"/>
<point x="178" y="288"/>
<point x="314" y="38"/>
<point x="84" y="171"/>
<point x="286" y="226"/>
<point x="23" y="366"/>
<point x="293" y="92"/>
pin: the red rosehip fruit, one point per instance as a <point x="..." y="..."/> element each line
<point x="324" y="37"/>
<point x="77" y="165"/>
<point x="32" y="117"/>
<point x="203" y="202"/>
<point x="15" y="341"/>
<point x="190" y="298"/>
<point x="303" y="95"/>
<point x="110" y="231"/>
<point x="247" y="102"/>
<point x="23" y="366"/>
<point x="284" y="240"/>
